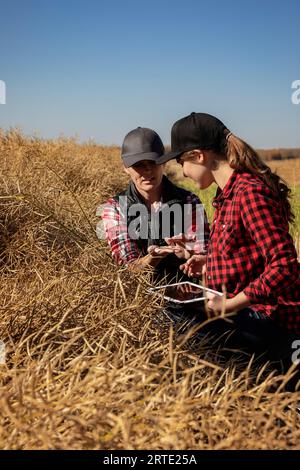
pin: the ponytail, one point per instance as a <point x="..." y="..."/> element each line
<point x="243" y="157"/>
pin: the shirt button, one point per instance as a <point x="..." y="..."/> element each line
<point x="208" y="277"/>
<point x="223" y="225"/>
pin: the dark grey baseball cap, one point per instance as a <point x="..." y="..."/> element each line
<point x="142" y="144"/>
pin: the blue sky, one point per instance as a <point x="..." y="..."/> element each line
<point x="97" y="69"/>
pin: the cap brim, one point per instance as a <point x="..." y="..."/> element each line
<point x="133" y="159"/>
<point x="170" y="156"/>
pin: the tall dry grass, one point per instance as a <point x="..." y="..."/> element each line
<point x="90" y="363"/>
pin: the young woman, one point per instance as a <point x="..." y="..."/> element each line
<point x="251" y="256"/>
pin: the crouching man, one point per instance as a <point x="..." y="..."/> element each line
<point x="138" y="220"/>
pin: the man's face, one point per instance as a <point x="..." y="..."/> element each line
<point x="146" y="175"/>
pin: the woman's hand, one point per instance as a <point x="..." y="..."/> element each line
<point x="221" y="304"/>
<point x="216" y="303"/>
<point x="195" y="266"/>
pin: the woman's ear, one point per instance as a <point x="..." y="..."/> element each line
<point x="200" y="156"/>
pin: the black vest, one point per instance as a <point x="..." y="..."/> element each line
<point x="171" y="194"/>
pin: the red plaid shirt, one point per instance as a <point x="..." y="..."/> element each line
<point x="124" y="249"/>
<point x="251" y="250"/>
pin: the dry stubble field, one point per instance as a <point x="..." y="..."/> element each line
<point x="88" y="365"/>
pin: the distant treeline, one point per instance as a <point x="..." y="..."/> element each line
<point x="279" y="154"/>
<point x="270" y="154"/>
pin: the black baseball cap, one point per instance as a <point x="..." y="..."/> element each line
<point x="142" y="144"/>
<point x="195" y="131"/>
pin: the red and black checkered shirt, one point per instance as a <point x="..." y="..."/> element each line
<point x="251" y="250"/>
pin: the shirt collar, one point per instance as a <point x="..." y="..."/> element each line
<point x="224" y="193"/>
<point x="170" y="192"/>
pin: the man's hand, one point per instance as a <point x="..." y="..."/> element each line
<point x="159" y="251"/>
<point x="152" y="259"/>
<point x="182" y="244"/>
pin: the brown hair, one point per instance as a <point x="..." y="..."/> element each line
<point x="243" y="157"/>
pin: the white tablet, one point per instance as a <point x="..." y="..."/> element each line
<point x="183" y="292"/>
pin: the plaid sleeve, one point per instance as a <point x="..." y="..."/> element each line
<point x="199" y="225"/>
<point x="124" y="250"/>
<point x="263" y="219"/>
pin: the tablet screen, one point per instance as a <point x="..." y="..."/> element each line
<point x="182" y="292"/>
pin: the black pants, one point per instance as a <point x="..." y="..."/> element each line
<point x="248" y="331"/>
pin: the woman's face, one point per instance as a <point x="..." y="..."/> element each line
<point x="146" y="175"/>
<point x="195" y="168"/>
